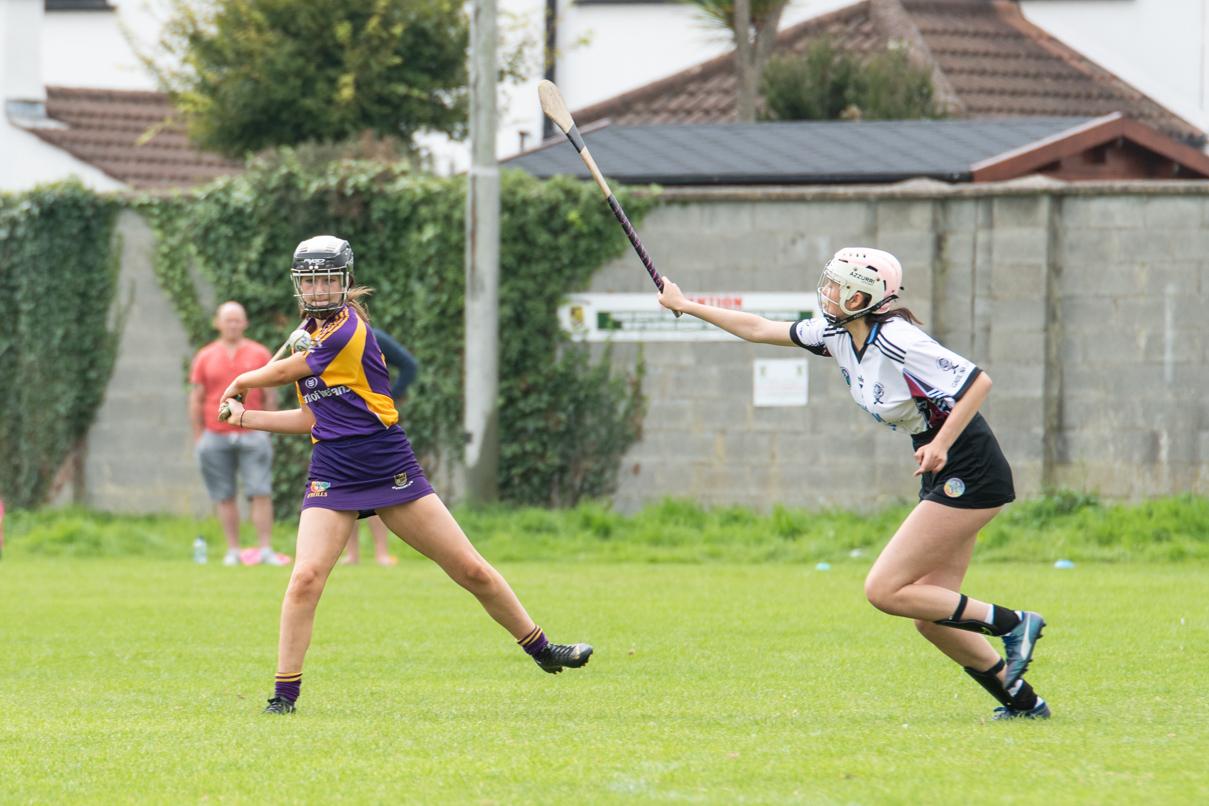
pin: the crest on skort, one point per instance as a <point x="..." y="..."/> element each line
<point x="954" y="488"/>
<point x="320" y="486"/>
<point x="401" y="479"/>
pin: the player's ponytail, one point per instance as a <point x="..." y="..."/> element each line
<point x="893" y="313"/>
<point x="355" y="293"/>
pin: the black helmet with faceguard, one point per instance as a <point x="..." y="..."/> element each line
<point x="322" y="257"/>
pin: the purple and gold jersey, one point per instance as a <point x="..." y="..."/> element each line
<point x="349" y="393"/>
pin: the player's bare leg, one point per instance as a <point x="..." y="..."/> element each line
<point x="322" y="534"/>
<point x="427" y="526"/>
<point x="919" y="575"/>
<point x="925" y="542"/>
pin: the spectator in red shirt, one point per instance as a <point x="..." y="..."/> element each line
<point x="222" y="448"/>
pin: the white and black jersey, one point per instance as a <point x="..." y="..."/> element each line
<point x="901" y="376"/>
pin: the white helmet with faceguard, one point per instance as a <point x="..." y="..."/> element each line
<point x="324" y="256"/>
<point x="872" y="272"/>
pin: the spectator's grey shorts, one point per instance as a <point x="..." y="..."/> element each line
<point x="218" y="455"/>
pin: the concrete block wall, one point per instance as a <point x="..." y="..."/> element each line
<point x="1134" y="278"/>
<point x="140" y="449"/>
<point x="1126" y="352"/>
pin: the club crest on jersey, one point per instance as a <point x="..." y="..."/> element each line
<point x="954" y="488"/>
<point x="879" y="392"/>
<point x="847" y="377"/>
<point x="401" y="482"/>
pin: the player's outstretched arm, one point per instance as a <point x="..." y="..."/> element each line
<point x="294" y="421"/>
<point x="746" y="326"/>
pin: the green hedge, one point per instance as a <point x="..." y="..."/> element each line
<point x="59" y="340"/>
<point x="564" y="422"/>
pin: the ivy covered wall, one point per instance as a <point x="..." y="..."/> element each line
<point x="59" y="278"/>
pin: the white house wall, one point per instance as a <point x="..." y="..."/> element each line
<point x="88" y="48"/>
<point x="26" y="161"/>
<point x="1158" y="46"/>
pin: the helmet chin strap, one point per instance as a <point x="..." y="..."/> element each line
<point x="835" y="320"/>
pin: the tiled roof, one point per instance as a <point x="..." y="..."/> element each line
<point x="103" y="128"/>
<point x="989" y="61"/>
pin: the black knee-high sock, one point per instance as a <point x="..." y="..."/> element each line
<point x="1000" y="621"/>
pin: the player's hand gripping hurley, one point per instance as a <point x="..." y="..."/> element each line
<point x="299" y="340"/>
<point x="556" y="109"/>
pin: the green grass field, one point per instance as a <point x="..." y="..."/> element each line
<point x="135" y="680"/>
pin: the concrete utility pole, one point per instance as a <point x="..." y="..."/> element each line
<point x="482" y="265"/>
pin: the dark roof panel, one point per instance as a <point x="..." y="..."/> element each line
<point x="788" y="153"/>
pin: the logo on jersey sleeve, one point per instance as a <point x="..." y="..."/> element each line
<point x="958" y="370"/>
<point x="954" y="488"/>
<point x="312" y="382"/>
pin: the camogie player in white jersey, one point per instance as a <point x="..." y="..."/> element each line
<point x="909" y="382"/>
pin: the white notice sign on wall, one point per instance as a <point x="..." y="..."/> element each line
<point x="640" y="317"/>
<point x="779" y="382"/>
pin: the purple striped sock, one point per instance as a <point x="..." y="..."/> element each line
<point x="288" y="686"/>
<point x="535" y="641"/>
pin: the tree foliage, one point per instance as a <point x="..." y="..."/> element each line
<point x="251" y="74"/>
<point x="564" y="422"/>
<point x="59" y="340"/>
<point x="831" y="83"/>
<point x="753" y="40"/>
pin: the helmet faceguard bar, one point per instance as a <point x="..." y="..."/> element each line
<point x="339" y="281"/>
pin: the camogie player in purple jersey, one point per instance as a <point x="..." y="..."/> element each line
<point x="909" y="382"/>
<point x="361" y="464"/>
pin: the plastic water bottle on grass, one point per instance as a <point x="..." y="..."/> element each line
<point x="199" y="550"/>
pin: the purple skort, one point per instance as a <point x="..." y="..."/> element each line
<point x="359" y="474"/>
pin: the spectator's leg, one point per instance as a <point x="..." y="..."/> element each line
<point x="262" y="519"/>
<point x="352" y="550"/>
<point x="228" y="516"/>
<point x="217" y="459"/>
<point x="256" y="468"/>
<point x="381" y="536"/>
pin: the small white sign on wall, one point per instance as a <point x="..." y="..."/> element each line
<point x="640" y="317"/>
<point x="779" y="382"/>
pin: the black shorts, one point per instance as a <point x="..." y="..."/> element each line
<point x="976" y="475"/>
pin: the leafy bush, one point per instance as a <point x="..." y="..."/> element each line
<point x="58" y="343"/>
<point x="564" y="423"/>
<point x="254" y="74"/>
<point x="831" y="83"/>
